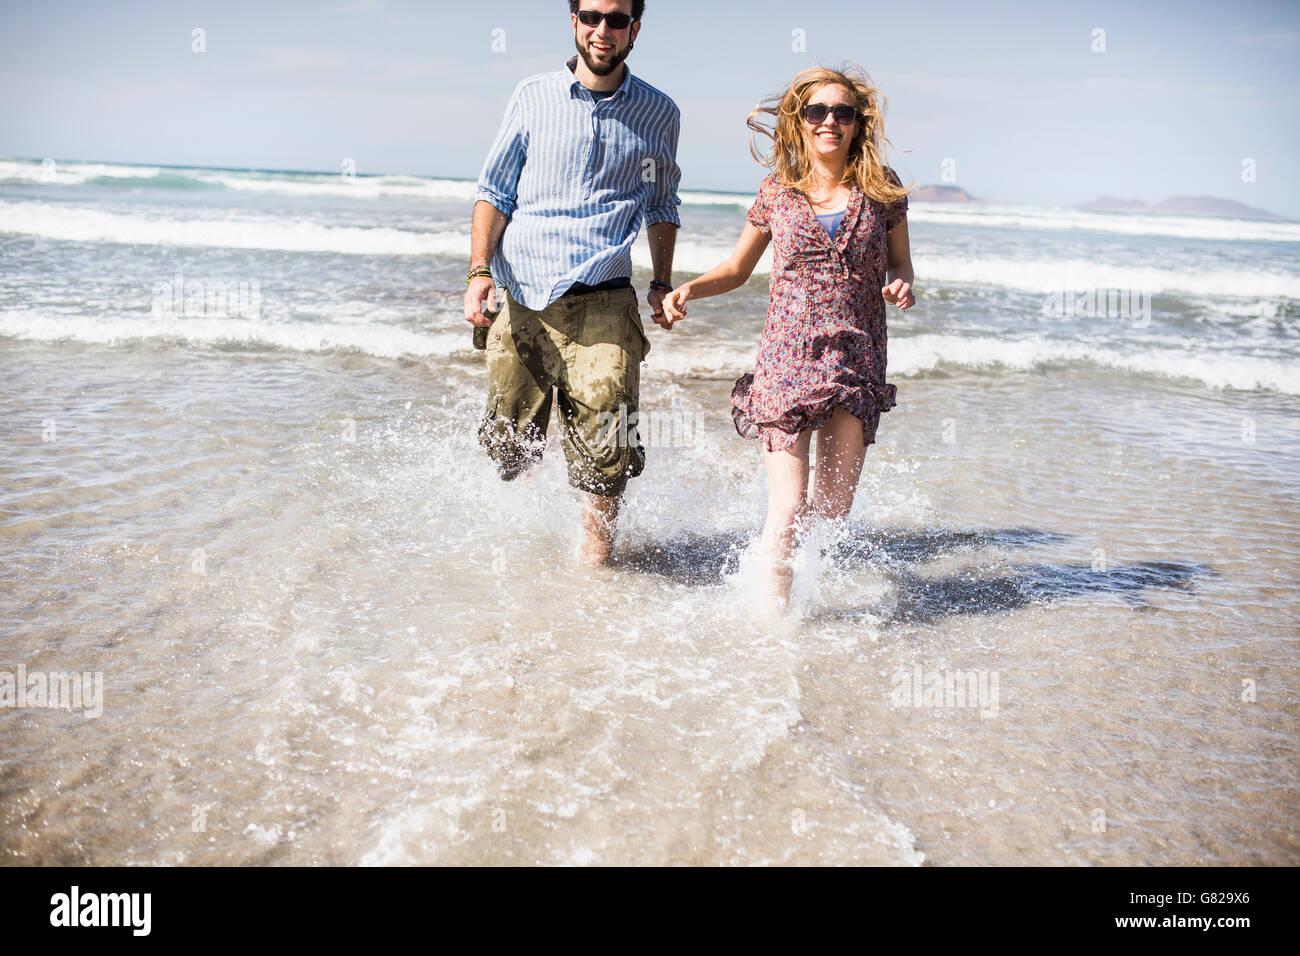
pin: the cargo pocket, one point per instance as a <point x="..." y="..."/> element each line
<point x="492" y="334"/>
<point x="634" y="318"/>
<point x="635" y="346"/>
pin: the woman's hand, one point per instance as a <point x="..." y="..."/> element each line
<point x="675" y="305"/>
<point x="899" y="293"/>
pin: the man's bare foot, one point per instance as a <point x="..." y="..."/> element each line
<point x="599" y="516"/>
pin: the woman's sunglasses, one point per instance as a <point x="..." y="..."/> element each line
<point x="592" y="18"/>
<point x="815" y="113"/>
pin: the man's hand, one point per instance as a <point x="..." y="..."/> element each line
<point x="675" y="305"/>
<point x="656" y="299"/>
<point x="899" y="293"/>
<point x="480" y="289"/>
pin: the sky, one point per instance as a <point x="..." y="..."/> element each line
<point x="1018" y="101"/>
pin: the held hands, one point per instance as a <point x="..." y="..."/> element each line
<point x="899" y="293"/>
<point x="675" y="306"/>
<point x="655" y="298"/>
<point x="480" y="289"/>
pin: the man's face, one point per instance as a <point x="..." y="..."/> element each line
<point x="602" y="47"/>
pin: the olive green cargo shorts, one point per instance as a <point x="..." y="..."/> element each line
<point x="586" y="351"/>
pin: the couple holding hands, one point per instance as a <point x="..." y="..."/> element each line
<point x="583" y="157"/>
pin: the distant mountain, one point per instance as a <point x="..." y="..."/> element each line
<point x="1182" y="206"/>
<point x="941" y="194"/>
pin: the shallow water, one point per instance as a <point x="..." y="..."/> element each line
<point x="1059" y="626"/>
<point x="328" y="634"/>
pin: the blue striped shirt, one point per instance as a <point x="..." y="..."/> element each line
<point x="577" y="177"/>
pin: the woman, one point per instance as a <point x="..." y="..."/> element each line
<point x="837" y="217"/>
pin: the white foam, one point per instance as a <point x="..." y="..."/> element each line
<point x="908" y="355"/>
<point x="700" y="360"/>
<point x="76" y="224"/>
<point x="382" y="341"/>
<point x="1052" y="275"/>
<point x="740" y="201"/>
<point x="80" y="224"/>
<point x="360" y="187"/>
<point x="1008" y="216"/>
<point x="916" y="354"/>
<point x="978" y="214"/>
<point x="70" y="174"/>
<point x="1027" y="275"/>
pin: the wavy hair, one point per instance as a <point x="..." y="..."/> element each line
<point x="780" y="118"/>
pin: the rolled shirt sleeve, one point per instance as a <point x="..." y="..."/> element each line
<point x="661" y="199"/>
<point x="578" y="177"/>
<point x="498" y="183"/>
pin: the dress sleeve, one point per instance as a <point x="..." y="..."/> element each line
<point x="895" y="212"/>
<point x="761" y="211"/>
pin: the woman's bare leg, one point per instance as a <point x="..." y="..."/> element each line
<point x="840" y="454"/>
<point x="787" y="497"/>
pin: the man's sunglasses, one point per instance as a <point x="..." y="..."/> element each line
<point x="815" y="113"/>
<point x="592" y="18"/>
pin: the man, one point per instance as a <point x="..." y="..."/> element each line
<point x="583" y="156"/>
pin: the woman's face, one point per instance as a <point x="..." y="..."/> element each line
<point x="830" y="140"/>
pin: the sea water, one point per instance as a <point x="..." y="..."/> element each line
<point x="241" y="484"/>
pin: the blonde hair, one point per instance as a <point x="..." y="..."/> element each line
<point x="790" y="158"/>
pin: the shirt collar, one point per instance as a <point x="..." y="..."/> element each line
<point x="624" y="88"/>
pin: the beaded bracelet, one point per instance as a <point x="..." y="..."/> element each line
<point x="657" y="284"/>
<point x="480" y="272"/>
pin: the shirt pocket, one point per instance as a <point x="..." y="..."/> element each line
<point x="625" y="161"/>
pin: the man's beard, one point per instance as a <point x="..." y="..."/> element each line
<point x="597" y="68"/>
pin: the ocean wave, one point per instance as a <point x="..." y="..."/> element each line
<point x="80" y="224"/>
<point x="909" y="356"/>
<point x="381" y="341"/>
<point x="163" y="180"/>
<point x="1043" y="276"/>
<point x="438" y="189"/>
<point x="914" y="355"/>
<point x="357" y="186"/>
<point x="70" y="174"/>
<point x="998" y="215"/>
<point x="76" y="224"/>
<point x="1078" y="275"/>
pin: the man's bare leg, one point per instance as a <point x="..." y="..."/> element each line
<point x="599" y="515"/>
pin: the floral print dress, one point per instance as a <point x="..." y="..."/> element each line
<point x="823" y="346"/>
